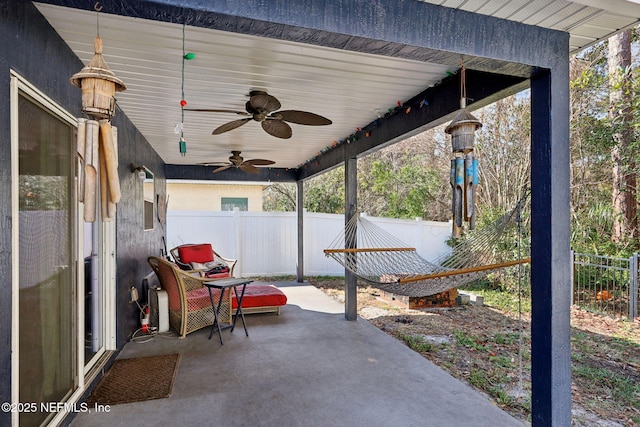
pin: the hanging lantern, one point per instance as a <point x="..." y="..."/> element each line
<point x="462" y="130"/>
<point x="99" y="85"/>
<point x="464" y="125"/>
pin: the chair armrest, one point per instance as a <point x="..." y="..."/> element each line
<point x="230" y="262"/>
<point x="182" y="265"/>
<point x="197" y="272"/>
<point x="193" y="276"/>
<point x="192" y="281"/>
<point x="174" y="254"/>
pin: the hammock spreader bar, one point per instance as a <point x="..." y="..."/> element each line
<point x="353" y="250"/>
<point x="477" y="269"/>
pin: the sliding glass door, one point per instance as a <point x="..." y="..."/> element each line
<point x="47" y="268"/>
<point x="63" y="267"/>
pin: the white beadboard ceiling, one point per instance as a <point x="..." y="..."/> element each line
<point x="587" y="21"/>
<point x="350" y="88"/>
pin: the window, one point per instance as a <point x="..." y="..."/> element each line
<point x="148" y="193"/>
<point x="230" y="203"/>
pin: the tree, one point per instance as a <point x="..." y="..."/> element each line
<point x="604" y="115"/>
<point x="403" y="181"/>
<point x="591" y="144"/>
<point x="625" y="221"/>
<point x="503" y="146"/>
<point x="279" y="197"/>
<point x="406" y="180"/>
<point x="324" y="193"/>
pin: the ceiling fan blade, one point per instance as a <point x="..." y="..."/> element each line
<point x="261" y="100"/>
<point x="230" y="126"/>
<point x="215" y="110"/>
<point x="249" y="168"/>
<point x="277" y="128"/>
<point x="214" y="163"/>
<point x="260" y="162"/>
<point x="221" y="168"/>
<point x="302" y="118"/>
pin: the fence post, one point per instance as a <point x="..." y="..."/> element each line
<point x="419" y="243"/>
<point x="633" y="287"/>
<point x="572" y="257"/>
<point x="237" y="222"/>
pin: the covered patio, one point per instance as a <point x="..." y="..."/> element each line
<point x="380" y="71"/>
<point x="306" y="367"/>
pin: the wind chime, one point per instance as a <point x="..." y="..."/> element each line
<point x="97" y="144"/>
<point x="464" y="165"/>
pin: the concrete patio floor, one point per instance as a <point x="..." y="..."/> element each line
<point x="307" y="367"/>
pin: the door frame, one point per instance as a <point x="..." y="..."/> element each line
<point x="107" y="256"/>
<point x="18" y="85"/>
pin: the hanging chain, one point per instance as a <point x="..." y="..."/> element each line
<point x="182" y="82"/>
<point x="98" y="8"/>
<point x="519" y="244"/>
<point x="463" y="87"/>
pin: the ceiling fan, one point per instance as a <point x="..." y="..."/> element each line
<point x="262" y="108"/>
<point x="237" y="161"/>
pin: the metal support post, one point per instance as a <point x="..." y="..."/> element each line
<point x="633" y="286"/>
<point x="300" y="212"/>
<point x="351" y="199"/>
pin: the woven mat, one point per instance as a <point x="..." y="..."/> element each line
<point x="136" y="380"/>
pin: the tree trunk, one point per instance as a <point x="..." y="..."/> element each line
<point x="625" y="222"/>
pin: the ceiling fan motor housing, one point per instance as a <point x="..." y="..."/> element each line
<point x="262" y="108"/>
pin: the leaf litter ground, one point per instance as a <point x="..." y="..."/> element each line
<point x="481" y="346"/>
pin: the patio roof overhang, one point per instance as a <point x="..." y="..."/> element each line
<point x="351" y="62"/>
<point x="443" y="102"/>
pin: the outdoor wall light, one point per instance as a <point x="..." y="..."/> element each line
<point x="141" y="170"/>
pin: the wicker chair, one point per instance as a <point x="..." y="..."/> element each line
<point x="189" y="301"/>
<point x="185" y="255"/>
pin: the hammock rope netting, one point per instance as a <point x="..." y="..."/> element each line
<point x="382" y="260"/>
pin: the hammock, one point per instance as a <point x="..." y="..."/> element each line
<point x="382" y="260"/>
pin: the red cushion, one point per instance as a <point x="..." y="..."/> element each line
<point x="254" y="296"/>
<point x="201" y="252"/>
<point x="261" y="296"/>
<point x="217" y="275"/>
<point x="198" y="299"/>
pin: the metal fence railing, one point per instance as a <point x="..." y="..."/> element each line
<point x="606" y="285"/>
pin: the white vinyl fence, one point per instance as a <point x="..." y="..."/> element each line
<point x="266" y="243"/>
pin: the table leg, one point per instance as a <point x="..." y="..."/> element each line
<point x="216" y="311"/>
<point x="239" y="310"/>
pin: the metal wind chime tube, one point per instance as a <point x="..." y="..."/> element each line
<point x="464" y="165"/>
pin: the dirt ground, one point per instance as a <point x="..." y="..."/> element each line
<point x="484" y="347"/>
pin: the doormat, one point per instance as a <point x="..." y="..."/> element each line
<point x="136" y="380"/>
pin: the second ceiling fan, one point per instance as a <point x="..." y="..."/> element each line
<point x="262" y="108"/>
<point x="238" y="162"/>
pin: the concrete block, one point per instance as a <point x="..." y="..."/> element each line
<point x="477" y="300"/>
<point x="463" y="299"/>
